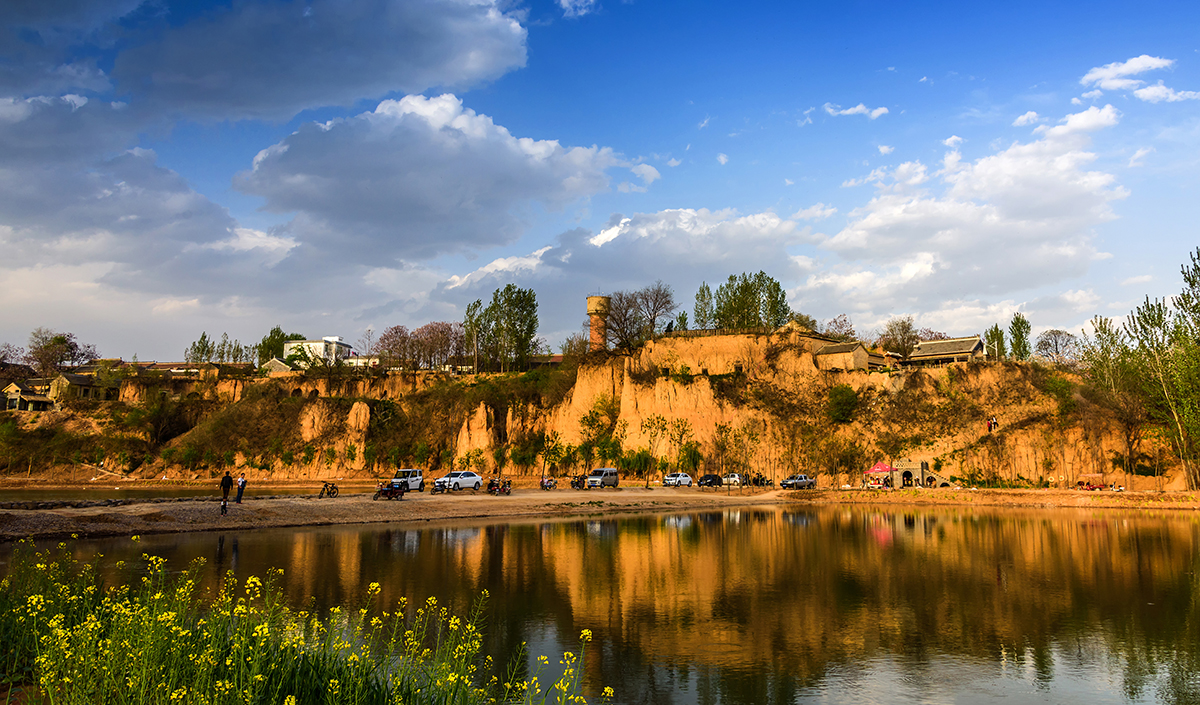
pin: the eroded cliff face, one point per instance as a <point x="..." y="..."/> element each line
<point x="769" y="390"/>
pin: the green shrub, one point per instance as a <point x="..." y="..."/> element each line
<point x="843" y="401"/>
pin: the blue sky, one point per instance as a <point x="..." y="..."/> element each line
<point x="337" y="165"/>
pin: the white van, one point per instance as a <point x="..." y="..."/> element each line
<point x="602" y="477"/>
<point x="415" y="479"/>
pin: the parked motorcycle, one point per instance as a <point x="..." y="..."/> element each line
<point x="579" y="482"/>
<point x="328" y="490"/>
<point x="498" y="486"/>
<point x="548" y="483"/>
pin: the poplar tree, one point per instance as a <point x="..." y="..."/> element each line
<point x="1018" y="333"/>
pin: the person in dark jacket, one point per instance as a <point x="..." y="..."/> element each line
<point x="226" y="485"/>
<point x="241" y="485"/>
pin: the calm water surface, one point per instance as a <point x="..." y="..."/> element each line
<point x="781" y="606"/>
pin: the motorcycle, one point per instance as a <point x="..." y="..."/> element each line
<point x="498" y="486"/>
<point x="548" y="483"/>
<point x="579" y="482"/>
<point x="328" y="490"/>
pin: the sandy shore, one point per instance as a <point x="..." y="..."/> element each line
<point x="355" y="506"/>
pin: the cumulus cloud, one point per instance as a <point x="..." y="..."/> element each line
<point x="859" y="109"/>
<point x="419" y="177"/>
<point x="884" y="149"/>
<point x="952" y="141"/>
<point x="723" y="158"/>
<point x="1116" y="76"/>
<point x="1160" y="93"/>
<point x="817" y="211"/>
<point x="700" y="245"/>
<point x="1028" y="118"/>
<point x="1016" y="220"/>
<point x="274" y="59"/>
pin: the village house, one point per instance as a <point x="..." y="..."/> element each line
<point x="849" y="356"/>
<point x="331" y="348"/>
<point x="936" y="353"/>
<point x="21" y="396"/>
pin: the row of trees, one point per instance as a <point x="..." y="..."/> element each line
<point x="745" y="301"/>
<point x="431" y="346"/>
<point x="224" y="351"/>
<point x="1146" y="371"/>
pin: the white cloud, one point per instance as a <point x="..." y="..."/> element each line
<point x="952" y="141"/>
<point x="1160" y="93"/>
<point x="817" y="211"/>
<point x="673" y="162"/>
<point x="261" y="60"/>
<point x="1141" y="279"/>
<point x="1019" y="219"/>
<point x="1076" y="101"/>
<point x="1028" y="118"/>
<point x="418" y="177"/>
<point x="1092" y="95"/>
<point x="924" y="79"/>
<point x="877" y="175"/>
<point x="1136" y="159"/>
<point x="646" y="173"/>
<point x="788" y="182"/>
<point x="576" y="8"/>
<point x="859" y="109"/>
<point x="884" y="149"/>
<point x="703" y="123"/>
<point x="723" y="159"/>
<point x="1115" y="76"/>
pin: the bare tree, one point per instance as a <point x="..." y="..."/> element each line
<point x="656" y="306"/>
<point x="1058" y="347"/>
<point x="900" y="336"/>
<point x="839" y="328"/>
<point x="49" y="352"/>
<point x="395" y="348"/>
<point x="625" y="326"/>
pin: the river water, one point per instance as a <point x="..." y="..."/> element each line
<point x="830" y="605"/>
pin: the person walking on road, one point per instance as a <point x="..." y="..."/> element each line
<point x="226" y="485"/>
<point x="241" y="485"/>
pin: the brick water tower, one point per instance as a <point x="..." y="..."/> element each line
<point x="597" y="308"/>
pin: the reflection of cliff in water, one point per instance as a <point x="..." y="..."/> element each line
<point x="761" y="605"/>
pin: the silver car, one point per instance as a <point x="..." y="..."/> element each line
<point x="677" y="479"/>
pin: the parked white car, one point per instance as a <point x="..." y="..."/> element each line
<point x="413" y="480"/>
<point x="459" y="480"/>
<point x="677" y="479"/>
<point x="732" y="479"/>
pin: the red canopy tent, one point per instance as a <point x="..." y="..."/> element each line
<point x="880" y="468"/>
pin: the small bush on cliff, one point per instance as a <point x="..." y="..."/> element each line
<point x="843" y="401"/>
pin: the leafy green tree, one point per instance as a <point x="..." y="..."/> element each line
<point x="703" y="310"/>
<point x="993" y="342"/>
<point x="681" y="321"/>
<point x="201" y="350"/>
<point x="505" y="332"/>
<point x="751" y="301"/>
<point x="1018" y="333"/>
<point x="843" y="401"/>
<point x="1112" y="371"/>
<point x="272" y="344"/>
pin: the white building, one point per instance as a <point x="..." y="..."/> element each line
<point x="331" y="348"/>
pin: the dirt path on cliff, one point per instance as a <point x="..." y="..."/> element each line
<point x="203" y="514"/>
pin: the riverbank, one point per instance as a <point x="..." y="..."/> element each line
<point x="108" y="517"/>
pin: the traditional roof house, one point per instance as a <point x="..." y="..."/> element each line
<point x="848" y="356"/>
<point x="20" y="396"/>
<point x="275" y="365"/>
<point x="930" y="353"/>
<point x="73" y="386"/>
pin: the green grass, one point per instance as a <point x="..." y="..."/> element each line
<point x="71" y="640"/>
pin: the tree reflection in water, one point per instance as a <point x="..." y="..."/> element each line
<point x="780" y="606"/>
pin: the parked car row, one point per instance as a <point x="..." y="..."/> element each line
<point x="409" y="480"/>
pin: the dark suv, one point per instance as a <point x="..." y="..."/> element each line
<point x="709" y="481"/>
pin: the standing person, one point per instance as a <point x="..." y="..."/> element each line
<point x="226" y="485"/>
<point x="241" y="485"/>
